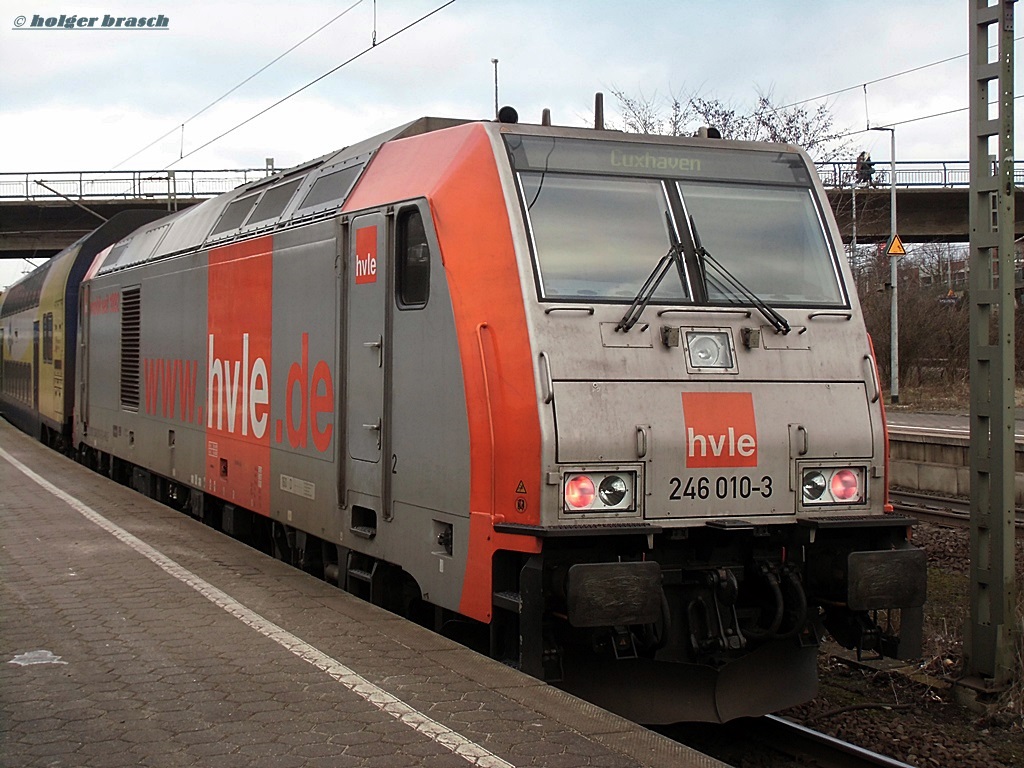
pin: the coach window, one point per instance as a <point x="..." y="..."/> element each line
<point x="412" y="263"/>
<point x="48" y="337"/>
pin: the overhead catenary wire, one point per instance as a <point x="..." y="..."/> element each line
<point x="372" y="46"/>
<point x="866" y="83"/>
<point x="919" y="118"/>
<point x="181" y="126"/>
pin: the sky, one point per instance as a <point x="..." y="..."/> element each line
<point x="95" y="98"/>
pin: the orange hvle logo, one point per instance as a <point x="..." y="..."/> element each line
<point x="720" y="429"/>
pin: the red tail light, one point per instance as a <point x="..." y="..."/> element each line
<point x="844" y="485"/>
<point x="580" y="492"/>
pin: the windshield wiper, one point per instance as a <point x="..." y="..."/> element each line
<point x="726" y="283"/>
<point x="643" y="298"/>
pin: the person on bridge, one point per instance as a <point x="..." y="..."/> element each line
<point x="864" y="169"/>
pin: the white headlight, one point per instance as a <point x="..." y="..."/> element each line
<point x="709" y="349"/>
<point x="612" y="491"/>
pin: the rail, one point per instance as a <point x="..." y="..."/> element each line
<point x="950" y="512"/>
<point x="123" y="185"/>
<point x="764" y="740"/>
<point x="819" y="748"/>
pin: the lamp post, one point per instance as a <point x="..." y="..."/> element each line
<point x="894" y="345"/>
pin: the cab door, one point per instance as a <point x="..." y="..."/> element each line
<point x="365" y="330"/>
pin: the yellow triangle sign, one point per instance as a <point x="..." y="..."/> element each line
<point x="895" y="247"/>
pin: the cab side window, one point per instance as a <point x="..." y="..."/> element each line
<point x="412" y="260"/>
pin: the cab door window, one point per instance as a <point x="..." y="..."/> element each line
<point x="412" y="262"/>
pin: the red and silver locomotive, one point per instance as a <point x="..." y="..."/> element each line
<point x="608" y="396"/>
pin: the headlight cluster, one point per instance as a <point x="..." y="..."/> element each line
<point x="598" y="491"/>
<point x="821" y="486"/>
<point x="710" y="350"/>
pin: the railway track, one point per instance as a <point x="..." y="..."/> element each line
<point x="942" y="511"/>
<point x="773" y="740"/>
<point x="816" y="748"/>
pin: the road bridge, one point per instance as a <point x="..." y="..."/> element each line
<point x="41" y="213"/>
<point x="931" y="200"/>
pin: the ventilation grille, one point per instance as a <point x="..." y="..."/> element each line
<point x="131" y="339"/>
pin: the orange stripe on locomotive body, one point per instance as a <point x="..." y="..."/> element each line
<point x="455" y="169"/>
<point x="238" y="371"/>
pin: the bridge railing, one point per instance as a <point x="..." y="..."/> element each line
<point x="113" y="185"/>
<point x="913" y="173"/>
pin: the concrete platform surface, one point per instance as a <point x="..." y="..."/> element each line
<point x="131" y="634"/>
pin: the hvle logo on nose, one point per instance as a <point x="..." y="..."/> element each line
<point x="721" y="430"/>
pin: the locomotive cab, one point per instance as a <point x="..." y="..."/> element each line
<point x="716" y="491"/>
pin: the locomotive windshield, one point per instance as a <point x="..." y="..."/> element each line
<point x="598" y="236"/>
<point x="769" y="237"/>
<point x="602" y="213"/>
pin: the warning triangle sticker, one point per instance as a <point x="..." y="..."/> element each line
<point x="521" y="488"/>
<point x="896" y="247"/>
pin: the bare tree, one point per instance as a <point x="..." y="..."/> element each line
<point x="934" y="326"/>
<point x="641" y="114"/>
<point x="678" y="116"/>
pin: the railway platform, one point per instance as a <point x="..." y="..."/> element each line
<point x="938" y="424"/>
<point x="133" y="635"/>
<point x="930" y="454"/>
